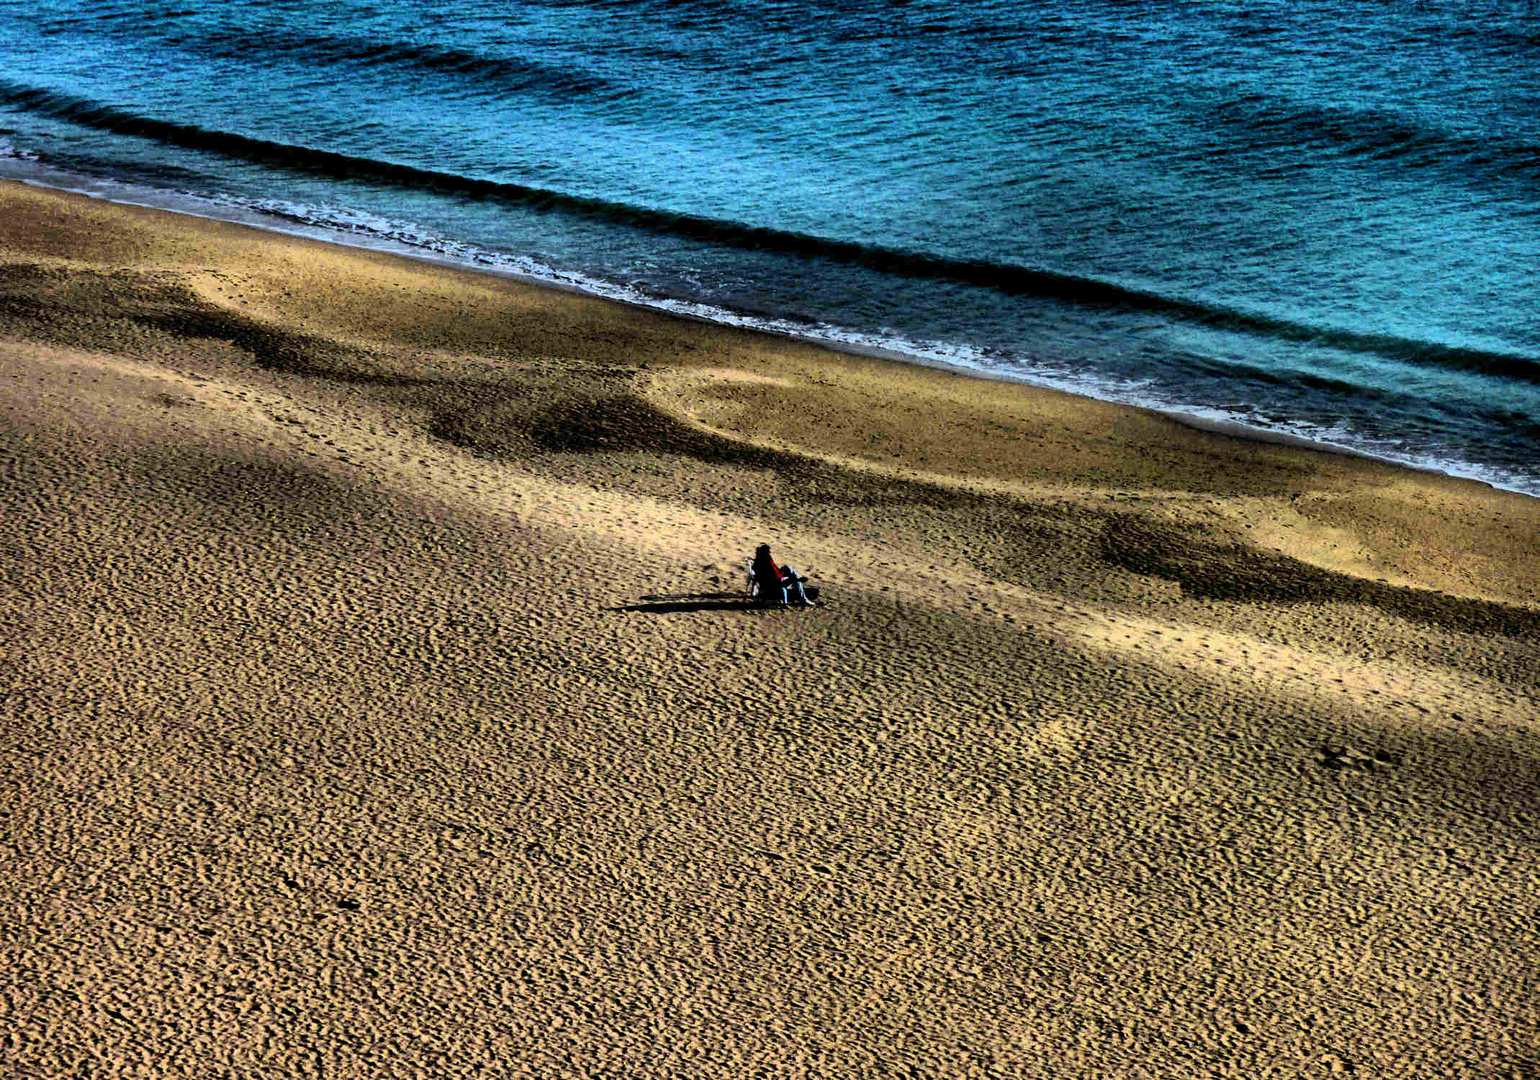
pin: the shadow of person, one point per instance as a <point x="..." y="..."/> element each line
<point x="679" y="606"/>
<point x="660" y="597"/>
<point x="675" y="605"/>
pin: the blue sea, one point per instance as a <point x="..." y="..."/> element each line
<point x="1309" y="217"/>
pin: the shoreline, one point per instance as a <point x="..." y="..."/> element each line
<point x="1195" y="416"/>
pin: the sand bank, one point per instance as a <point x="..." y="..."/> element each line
<point x="378" y="701"/>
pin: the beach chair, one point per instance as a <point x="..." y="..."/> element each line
<point x="751" y="585"/>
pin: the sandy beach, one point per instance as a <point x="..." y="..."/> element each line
<point x="378" y="699"/>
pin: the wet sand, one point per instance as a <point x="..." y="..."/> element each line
<point x="378" y="699"/>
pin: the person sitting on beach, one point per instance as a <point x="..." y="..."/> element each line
<point x="777" y="584"/>
<point x="767" y="577"/>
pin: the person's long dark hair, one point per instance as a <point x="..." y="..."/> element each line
<point x="763" y="563"/>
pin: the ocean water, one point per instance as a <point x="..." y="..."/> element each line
<point x="1308" y="217"/>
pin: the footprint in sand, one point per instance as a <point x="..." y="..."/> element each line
<point x="1339" y="758"/>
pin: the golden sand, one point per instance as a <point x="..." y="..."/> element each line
<point x="377" y="701"/>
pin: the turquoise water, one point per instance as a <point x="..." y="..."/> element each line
<point x="1315" y="218"/>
